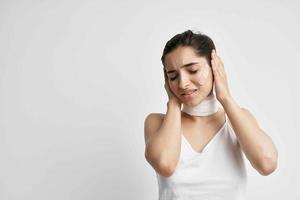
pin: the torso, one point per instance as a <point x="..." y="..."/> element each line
<point x="217" y="172"/>
<point x="200" y="133"/>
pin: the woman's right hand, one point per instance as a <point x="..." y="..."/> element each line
<point x="171" y="95"/>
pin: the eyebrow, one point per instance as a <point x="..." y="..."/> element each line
<point x="186" y="65"/>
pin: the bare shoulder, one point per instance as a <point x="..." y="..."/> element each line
<point x="152" y="123"/>
<point x="154" y="117"/>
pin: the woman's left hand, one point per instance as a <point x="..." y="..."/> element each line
<point x="220" y="79"/>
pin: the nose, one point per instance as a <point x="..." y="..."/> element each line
<point x="183" y="82"/>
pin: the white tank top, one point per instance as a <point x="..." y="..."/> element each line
<point x="217" y="173"/>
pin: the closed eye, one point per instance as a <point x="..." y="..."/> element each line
<point x="192" y="72"/>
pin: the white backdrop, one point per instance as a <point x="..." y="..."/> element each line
<point x="78" y="78"/>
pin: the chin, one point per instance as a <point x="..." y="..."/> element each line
<point x="193" y="102"/>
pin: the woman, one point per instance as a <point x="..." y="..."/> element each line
<point x="196" y="151"/>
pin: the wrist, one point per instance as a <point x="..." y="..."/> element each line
<point x="226" y="101"/>
<point x="174" y="103"/>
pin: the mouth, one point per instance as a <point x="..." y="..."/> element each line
<point x="189" y="94"/>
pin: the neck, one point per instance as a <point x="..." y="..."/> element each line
<point x="205" y="109"/>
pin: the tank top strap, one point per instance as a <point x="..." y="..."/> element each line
<point x="226" y="118"/>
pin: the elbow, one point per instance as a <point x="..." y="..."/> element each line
<point x="269" y="165"/>
<point x="162" y="168"/>
<point x="166" y="170"/>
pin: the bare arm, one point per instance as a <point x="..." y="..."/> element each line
<point x="256" y="144"/>
<point x="163" y="140"/>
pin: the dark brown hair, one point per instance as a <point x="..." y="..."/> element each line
<point x="201" y="43"/>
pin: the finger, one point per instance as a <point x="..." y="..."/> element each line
<point x="220" y="65"/>
<point x="214" y="68"/>
<point x="213" y="59"/>
<point x="216" y="58"/>
<point x="220" y="62"/>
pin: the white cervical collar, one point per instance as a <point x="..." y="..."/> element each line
<point x="208" y="106"/>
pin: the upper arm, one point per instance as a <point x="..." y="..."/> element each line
<point x="151" y="125"/>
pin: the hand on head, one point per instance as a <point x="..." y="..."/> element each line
<point x="171" y="95"/>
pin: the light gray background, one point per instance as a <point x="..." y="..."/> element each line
<point x="78" y="79"/>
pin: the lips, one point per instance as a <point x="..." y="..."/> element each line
<point x="188" y="92"/>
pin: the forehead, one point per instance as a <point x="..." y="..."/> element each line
<point x="182" y="55"/>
